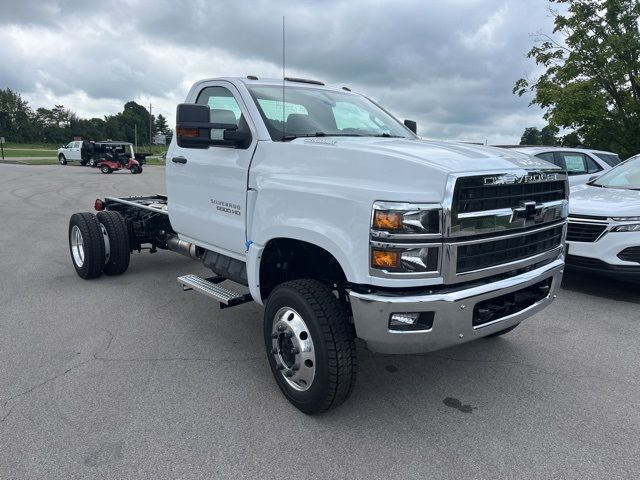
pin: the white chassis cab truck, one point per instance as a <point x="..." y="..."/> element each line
<point x="343" y="224"/>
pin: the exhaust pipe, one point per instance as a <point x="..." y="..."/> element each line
<point x="183" y="248"/>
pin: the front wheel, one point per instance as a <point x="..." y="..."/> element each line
<point x="62" y="160"/>
<point x="93" y="162"/>
<point x="310" y="345"/>
<point x="105" y="169"/>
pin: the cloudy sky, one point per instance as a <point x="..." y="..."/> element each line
<point x="450" y="65"/>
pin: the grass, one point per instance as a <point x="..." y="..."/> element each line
<point x="32" y="146"/>
<point x="11" y="153"/>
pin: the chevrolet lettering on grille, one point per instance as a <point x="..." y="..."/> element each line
<point x="512" y="179"/>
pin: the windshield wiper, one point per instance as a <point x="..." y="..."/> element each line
<point x="319" y="134"/>
<point x="387" y="135"/>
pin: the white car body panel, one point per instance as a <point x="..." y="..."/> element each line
<point x="592" y="201"/>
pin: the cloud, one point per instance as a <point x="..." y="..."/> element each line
<point x="448" y="65"/>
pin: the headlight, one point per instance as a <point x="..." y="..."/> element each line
<point x="406" y="238"/>
<point x="626" y="219"/>
<point x="406" y="260"/>
<point x="634" y="227"/>
<point x="391" y="219"/>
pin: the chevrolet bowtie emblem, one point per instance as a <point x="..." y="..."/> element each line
<point x="526" y="211"/>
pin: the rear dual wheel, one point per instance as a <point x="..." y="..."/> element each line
<point x="99" y="243"/>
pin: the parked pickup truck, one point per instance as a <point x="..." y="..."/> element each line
<point x="91" y="153"/>
<point x="343" y="224"/>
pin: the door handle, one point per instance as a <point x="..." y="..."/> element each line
<point x="179" y="160"/>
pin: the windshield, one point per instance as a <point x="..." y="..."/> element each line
<point x="309" y="112"/>
<point x="610" y="158"/>
<point x="626" y="175"/>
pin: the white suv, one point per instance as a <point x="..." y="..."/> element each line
<point x="580" y="163"/>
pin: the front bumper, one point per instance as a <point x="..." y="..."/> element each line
<point x="453" y="313"/>
<point x="602" y="257"/>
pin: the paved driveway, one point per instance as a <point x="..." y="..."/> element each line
<point x="129" y="377"/>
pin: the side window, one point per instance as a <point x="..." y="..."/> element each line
<point x="70" y="145"/>
<point x="223" y="105"/>
<point x="575" y="163"/>
<point x="549" y="157"/>
<point x="592" y="165"/>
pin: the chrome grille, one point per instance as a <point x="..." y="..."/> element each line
<point x="502" y="222"/>
<point x="477" y="198"/>
<point x="477" y="256"/>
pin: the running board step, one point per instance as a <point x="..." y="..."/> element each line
<point x="209" y="287"/>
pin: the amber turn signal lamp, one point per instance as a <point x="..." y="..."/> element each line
<point x="386" y="220"/>
<point x="187" y="132"/>
<point x="385" y="259"/>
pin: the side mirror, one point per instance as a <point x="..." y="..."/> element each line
<point x="195" y="130"/>
<point x="411" y="125"/>
<point x="593" y="178"/>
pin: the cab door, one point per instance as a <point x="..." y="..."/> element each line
<point x="207" y="187"/>
<point x="74" y="151"/>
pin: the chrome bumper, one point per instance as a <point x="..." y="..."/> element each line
<point x="453" y="311"/>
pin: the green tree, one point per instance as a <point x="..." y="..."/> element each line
<point x="161" y="125"/>
<point x="530" y="136"/>
<point x="591" y="82"/>
<point x="548" y="135"/>
<point x="572" y="140"/>
<point x="16" y="117"/>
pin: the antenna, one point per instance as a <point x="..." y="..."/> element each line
<point x="284" y="120"/>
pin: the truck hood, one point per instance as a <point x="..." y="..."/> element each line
<point x="447" y="157"/>
<point x="604" y="202"/>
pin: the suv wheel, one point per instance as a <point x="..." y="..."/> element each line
<point x="62" y="160"/>
<point x="310" y="345"/>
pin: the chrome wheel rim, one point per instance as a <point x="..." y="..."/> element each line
<point x="292" y="348"/>
<point x="77" y="246"/>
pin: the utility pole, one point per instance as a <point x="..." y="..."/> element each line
<point x="150" y="125"/>
<point x="135" y="135"/>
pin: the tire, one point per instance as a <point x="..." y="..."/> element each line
<point x="306" y="316"/>
<point x="105" y="169"/>
<point x="118" y="233"/>
<point x="87" y="250"/>
<point x="62" y="160"/>
<point x="83" y="162"/>
<point x="502" y="332"/>
<point x="93" y="162"/>
<point x="136" y="169"/>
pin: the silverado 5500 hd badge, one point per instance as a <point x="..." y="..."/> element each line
<point x="227" y="207"/>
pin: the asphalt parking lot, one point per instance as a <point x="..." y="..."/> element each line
<point x="130" y="377"/>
